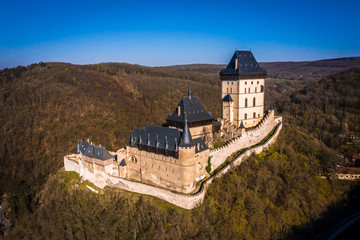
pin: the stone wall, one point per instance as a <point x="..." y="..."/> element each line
<point x="248" y="138"/>
<point x="187" y="201"/>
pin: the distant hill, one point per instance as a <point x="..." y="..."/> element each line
<point x="308" y="71"/>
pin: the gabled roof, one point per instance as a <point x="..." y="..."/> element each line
<point x="247" y="64"/>
<point x="163" y="138"/>
<point x="93" y="151"/>
<point x="157" y="137"/>
<point x="192" y="107"/>
<point x="227" y="98"/>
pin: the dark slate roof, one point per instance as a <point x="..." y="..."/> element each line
<point x="157" y="137"/>
<point x="242" y="125"/>
<point x="202" y="145"/>
<point x="227" y="98"/>
<point x="92" y="151"/>
<point x="186" y="139"/>
<point x="192" y="107"/>
<point x="160" y="137"/>
<point x="247" y="64"/>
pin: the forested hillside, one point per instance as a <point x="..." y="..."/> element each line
<point x="45" y="108"/>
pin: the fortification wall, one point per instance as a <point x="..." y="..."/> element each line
<point x="247" y="139"/>
<point x="187" y="201"/>
<point x="71" y="164"/>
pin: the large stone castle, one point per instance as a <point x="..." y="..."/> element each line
<point x="175" y="156"/>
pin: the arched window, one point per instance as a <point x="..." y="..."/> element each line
<point x="245" y="90"/>
<point x="246" y="102"/>
<point x="254" y="102"/>
<point x="249" y="90"/>
<point x="255" y="89"/>
<point x="133" y="159"/>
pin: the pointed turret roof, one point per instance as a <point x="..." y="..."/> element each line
<point x="186" y="139"/>
<point x="227" y="98"/>
<point x="242" y="125"/>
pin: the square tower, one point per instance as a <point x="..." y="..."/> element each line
<point x="243" y="86"/>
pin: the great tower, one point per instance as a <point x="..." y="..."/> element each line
<point x="243" y="86"/>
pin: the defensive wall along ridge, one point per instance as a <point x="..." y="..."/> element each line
<point x="188" y="201"/>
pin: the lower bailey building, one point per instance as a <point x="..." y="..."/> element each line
<point x="94" y="157"/>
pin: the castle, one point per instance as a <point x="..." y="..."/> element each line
<point x="174" y="157"/>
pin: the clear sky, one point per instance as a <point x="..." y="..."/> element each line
<point x="157" y="33"/>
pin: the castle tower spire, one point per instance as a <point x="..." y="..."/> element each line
<point x="186" y="139"/>
<point x="189" y="92"/>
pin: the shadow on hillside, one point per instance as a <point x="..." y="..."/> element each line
<point x="320" y="228"/>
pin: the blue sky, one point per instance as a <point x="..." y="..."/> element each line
<point x="157" y="33"/>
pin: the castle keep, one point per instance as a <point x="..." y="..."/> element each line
<point x="169" y="161"/>
<point x="243" y="85"/>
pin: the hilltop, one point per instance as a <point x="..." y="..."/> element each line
<point x="45" y="108"/>
<point x="306" y="70"/>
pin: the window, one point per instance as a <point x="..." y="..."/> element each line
<point x="228" y="83"/>
<point x="245" y="116"/>
<point x="230" y="90"/>
<point x="246" y="104"/>
<point x="255" y="89"/>
<point x="172" y="170"/>
<point x="232" y="83"/>
<point x="249" y="90"/>
<point x="245" y="83"/>
<point x="254" y="102"/>
<point x="254" y="115"/>
<point x="259" y="115"/>
<point x="227" y="90"/>
<point x="257" y="82"/>
<point x="133" y="159"/>
<point x="252" y="82"/>
<point x="245" y="90"/>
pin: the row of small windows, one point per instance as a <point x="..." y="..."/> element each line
<point x="159" y="167"/>
<point x="254" y="115"/>
<point x="134" y="160"/>
<point x="252" y="82"/>
<point x="246" y="90"/>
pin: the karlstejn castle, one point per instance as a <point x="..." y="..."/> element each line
<point x="176" y="162"/>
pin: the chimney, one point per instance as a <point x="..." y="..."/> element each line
<point x="236" y="63"/>
<point x="178" y="110"/>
